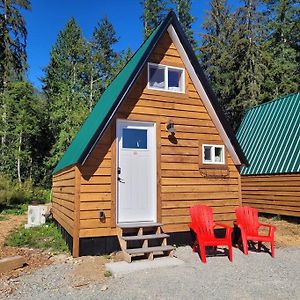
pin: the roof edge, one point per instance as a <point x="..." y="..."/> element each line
<point x="130" y="82"/>
<point x="208" y="90"/>
<point x="271" y="101"/>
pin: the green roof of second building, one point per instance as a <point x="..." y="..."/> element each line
<point x="269" y="137"/>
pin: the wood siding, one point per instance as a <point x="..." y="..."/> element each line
<point x="181" y="184"/>
<point x="63" y="198"/>
<point x="274" y="194"/>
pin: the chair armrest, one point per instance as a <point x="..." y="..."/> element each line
<point x="267" y="225"/>
<point x="223" y="225"/>
<point x="228" y="229"/>
<point x="272" y="228"/>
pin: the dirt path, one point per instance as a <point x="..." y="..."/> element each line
<point x="82" y="271"/>
<point x="34" y="258"/>
<point x="9" y="223"/>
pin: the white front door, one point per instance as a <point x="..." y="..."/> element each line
<point x="136" y="172"/>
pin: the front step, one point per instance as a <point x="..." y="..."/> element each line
<point x="143" y="239"/>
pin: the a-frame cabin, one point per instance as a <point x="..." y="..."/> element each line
<point x="155" y="144"/>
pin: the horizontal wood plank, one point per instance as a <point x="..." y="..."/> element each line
<point x="274" y="194"/>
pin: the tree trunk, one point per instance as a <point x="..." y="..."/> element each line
<point x="5" y="76"/>
<point x="91" y="93"/>
<point x="30" y="168"/>
<point x="19" y="158"/>
<point x="74" y="78"/>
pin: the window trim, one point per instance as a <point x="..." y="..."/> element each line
<point x="166" y="75"/>
<point x="213" y="162"/>
<point x="215" y="165"/>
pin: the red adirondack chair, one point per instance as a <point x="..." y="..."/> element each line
<point x="247" y="221"/>
<point x="203" y="226"/>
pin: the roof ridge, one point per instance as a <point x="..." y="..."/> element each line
<point x="273" y="100"/>
<point x="269" y="137"/>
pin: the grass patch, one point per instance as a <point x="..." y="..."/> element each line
<point x="3" y="218"/>
<point x="17" y="209"/>
<point x="107" y="274"/>
<point x="45" y="237"/>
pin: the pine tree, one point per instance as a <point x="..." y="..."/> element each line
<point x="216" y="52"/>
<point x="283" y="46"/>
<point x="103" y="59"/>
<point x="122" y="59"/>
<point x="153" y="13"/>
<point x="250" y="58"/>
<point x="23" y="118"/>
<point x="13" y="36"/>
<point x="66" y="86"/>
<point x="125" y="57"/>
<point x="183" y="8"/>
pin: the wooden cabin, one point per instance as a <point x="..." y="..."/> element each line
<point x="270" y="138"/>
<point x="155" y="144"/>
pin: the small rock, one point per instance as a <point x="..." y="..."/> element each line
<point x="104" y="288"/>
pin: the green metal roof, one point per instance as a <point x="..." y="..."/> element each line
<point x="102" y="109"/>
<point x="270" y="137"/>
<point x="106" y="107"/>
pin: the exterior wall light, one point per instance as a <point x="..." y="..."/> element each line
<point x="171" y="127"/>
<point x="102" y="215"/>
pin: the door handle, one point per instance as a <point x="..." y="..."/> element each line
<point x="121" y="180"/>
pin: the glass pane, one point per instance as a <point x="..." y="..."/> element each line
<point x="174" y="77"/>
<point x="218" y="154"/>
<point x="134" y="138"/>
<point x="207" y="153"/>
<point x="157" y="77"/>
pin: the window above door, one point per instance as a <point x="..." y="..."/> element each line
<point x="134" y="138"/>
<point x="166" y="78"/>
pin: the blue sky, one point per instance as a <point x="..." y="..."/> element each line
<point x="47" y="18"/>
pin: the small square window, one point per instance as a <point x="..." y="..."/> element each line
<point x="213" y="154"/>
<point x="165" y="78"/>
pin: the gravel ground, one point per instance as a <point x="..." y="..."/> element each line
<point x="257" y="276"/>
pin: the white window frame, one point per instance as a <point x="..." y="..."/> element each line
<point x="166" y="88"/>
<point x="212" y="153"/>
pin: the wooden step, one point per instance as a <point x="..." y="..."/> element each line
<point x="149" y="250"/>
<point x="145" y="237"/>
<point x="141" y="234"/>
<point x="138" y="225"/>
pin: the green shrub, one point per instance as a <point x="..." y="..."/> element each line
<point x="3" y="218"/>
<point x="107" y="274"/>
<point x="12" y="192"/>
<point x="45" y="237"/>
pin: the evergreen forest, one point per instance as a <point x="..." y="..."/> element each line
<point x="250" y="54"/>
